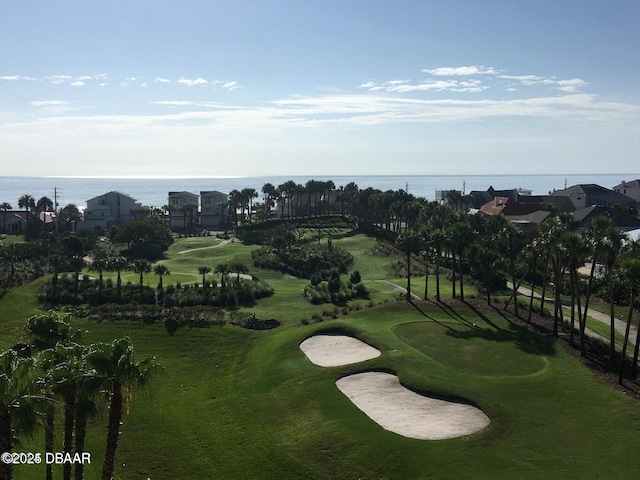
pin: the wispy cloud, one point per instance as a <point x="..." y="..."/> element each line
<point x="15" y="78"/>
<point x="58" y="79"/>
<point x="48" y="103"/>
<point x="457" y="71"/>
<point x="161" y="80"/>
<point x="191" y="83"/>
<point x="404" y="86"/>
<point x="77" y="83"/>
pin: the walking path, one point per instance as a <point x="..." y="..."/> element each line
<point x="221" y="244"/>
<point x="619" y="325"/>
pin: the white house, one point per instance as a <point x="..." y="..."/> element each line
<point x="213" y="208"/>
<point x="183" y="210"/>
<point x="108" y="209"/>
<point x="630" y="189"/>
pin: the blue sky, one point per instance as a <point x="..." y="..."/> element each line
<point x="248" y="88"/>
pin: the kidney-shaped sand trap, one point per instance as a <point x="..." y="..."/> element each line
<point x="399" y="410"/>
<point x="337" y="350"/>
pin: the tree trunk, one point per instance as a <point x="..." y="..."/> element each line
<point x="409" y="276"/>
<point x="426" y="281"/>
<point x="5" y="441"/>
<point x="626" y="336"/>
<point x="612" y="329"/>
<point x="48" y="436"/>
<point x="81" y="430"/>
<point x="533" y="286"/>
<point x="461" y="277"/>
<point x="69" y="417"/>
<point x="113" y="431"/>
<point x="453" y="274"/>
<point x="438" y="255"/>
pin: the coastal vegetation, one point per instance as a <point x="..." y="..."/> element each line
<point x="439" y="292"/>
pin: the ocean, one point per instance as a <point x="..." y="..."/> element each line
<point x="154" y="191"/>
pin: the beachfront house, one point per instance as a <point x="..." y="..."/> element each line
<point x="183" y="210"/>
<point x="587" y="195"/>
<point x="630" y="189"/>
<point x="213" y="208"/>
<point x="108" y="209"/>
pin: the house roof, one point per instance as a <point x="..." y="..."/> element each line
<point x="116" y="192"/>
<point x="212" y="192"/>
<point x="182" y="194"/>
<point x="535" y="218"/>
<point x="594" y="192"/>
<point x="631" y="184"/>
<point x="620" y="219"/>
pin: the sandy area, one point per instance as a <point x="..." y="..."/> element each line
<point x="397" y="409"/>
<point x="337" y="350"/>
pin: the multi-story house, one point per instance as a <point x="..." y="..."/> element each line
<point x="213" y="208"/>
<point x="183" y="210"/>
<point x="630" y="189"/>
<point x="108" y="209"/>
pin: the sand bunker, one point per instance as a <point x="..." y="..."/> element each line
<point x="337" y="350"/>
<point x="397" y="409"/>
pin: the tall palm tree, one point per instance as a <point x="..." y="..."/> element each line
<point x="141" y="267"/>
<point x="116" y="366"/>
<point x="45" y="331"/>
<point x="161" y="271"/>
<point x="631" y="273"/>
<point x="614" y="241"/>
<point x="595" y="237"/>
<point x="17" y="410"/>
<point x="118" y="264"/>
<point x="203" y="270"/>
<point x="4" y="206"/>
<point x="408" y="242"/>
<point x="223" y="270"/>
<point x="269" y="192"/>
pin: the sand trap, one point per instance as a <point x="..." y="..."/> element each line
<point x="397" y="409"/>
<point x="337" y="350"/>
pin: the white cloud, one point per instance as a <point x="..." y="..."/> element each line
<point x="48" y="103"/>
<point x="84" y="78"/>
<point x="191" y="83"/>
<point x="231" y="85"/>
<point x="77" y="83"/>
<point x="15" y="77"/>
<point x="456" y="71"/>
<point x="57" y="79"/>
<point x="161" y="80"/>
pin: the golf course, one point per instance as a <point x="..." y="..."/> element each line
<point x="237" y="403"/>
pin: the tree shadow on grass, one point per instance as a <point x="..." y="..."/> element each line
<point x="524" y="339"/>
<point x="424" y="314"/>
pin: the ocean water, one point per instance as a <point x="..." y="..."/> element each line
<point x="154" y="191"/>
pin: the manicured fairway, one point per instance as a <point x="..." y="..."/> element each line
<point x="240" y="404"/>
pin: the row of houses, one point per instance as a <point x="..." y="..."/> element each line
<point x="583" y="201"/>
<point x="185" y="210"/>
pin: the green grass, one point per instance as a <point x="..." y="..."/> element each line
<point x="240" y="404"/>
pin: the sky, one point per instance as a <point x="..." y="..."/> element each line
<point x="253" y="88"/>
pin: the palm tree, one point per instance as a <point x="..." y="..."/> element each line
<point x="408" y="243"/>
<point x="17" y="410"/>
<point x="631" y="273"/>
<point x="269" y="192"/>
<point x="141" y="267"/>
<point x="118" y="264"/>
<point x="203" y="270"/>
<point x="4" y="206"/>
<point x="575" y="252"/>
<point x="45" y="331"/>
<point x="161" y="270"/>
<point x="614" y="240"/>
<point x="238" y="268"/>
<point x="594" y="236"/>
<point x="223" y="270"/>
<point x="116" y="366"/>
<point x="99" y="265"/>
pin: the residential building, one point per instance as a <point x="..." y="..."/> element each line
<point x="108" y="209"/>
<point x="183" y="210"/>
<point x="586" y="195"/>
<point x="213" y="208"/>
<point x="630" y="189"/>
<point x="14" y="222"/>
